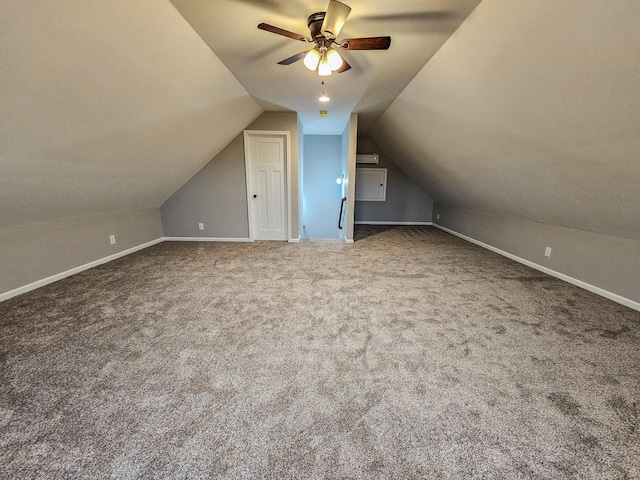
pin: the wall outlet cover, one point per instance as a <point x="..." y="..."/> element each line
<point x="201" y="226"/>
<point x="112" y="239"/>
<point x="547" y="252"/>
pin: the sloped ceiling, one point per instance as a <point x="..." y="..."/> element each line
<point x="418" y="28"/>
<point x="106" y="106"/>
<point x="532" y="109"/>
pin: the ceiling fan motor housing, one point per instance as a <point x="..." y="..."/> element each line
<point x="314" y="22"/>
<point x="324" y="28"/>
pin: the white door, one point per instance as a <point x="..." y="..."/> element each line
<point x="265" y="156"/>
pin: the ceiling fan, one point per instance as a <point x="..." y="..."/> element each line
<point x="325" y="28"/>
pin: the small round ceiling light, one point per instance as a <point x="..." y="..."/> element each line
<point x="323" y="97"/>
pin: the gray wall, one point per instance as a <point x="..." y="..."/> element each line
<point x="536" y="117"/>
<point x="604" y="261"/>
<point x="296" y="234"/>
<point x="107" y="108"/>
<point x="217" y="194"/>
<point x="406" y="202"/>
<point x="350" y="143"/>
<point x="344" y="170"/>
<point x="32" y="253"/>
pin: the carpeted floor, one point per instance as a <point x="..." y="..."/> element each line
<point x="409" y="354"/>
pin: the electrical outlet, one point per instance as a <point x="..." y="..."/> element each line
<point x="438" y="216"/>
<point x="112" y="239"/>
<point x="547" y="252"/>
<point x="201" y="226"/>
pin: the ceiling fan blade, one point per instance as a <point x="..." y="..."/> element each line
<point x="345" y="66"/>
<point x="293" y="58"/>
<point x="368" y="43"/>
<point x="334" y="19"/>
<point x="285" y="33"/>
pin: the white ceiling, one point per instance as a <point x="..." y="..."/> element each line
<point x="105" y="107"/>
<point x="532" y="109"/>
<point x="418" y="28"/>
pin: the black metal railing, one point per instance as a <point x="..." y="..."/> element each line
<point x="342" y="211"/>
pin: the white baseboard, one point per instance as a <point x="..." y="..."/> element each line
<point x="378" y="222"/>
<point x="627" y="302"/>
<point x="205" y="239"/>
<point x="59" y="276"/>
<point x="348" y="240"/>
<point x="294" y="240"/>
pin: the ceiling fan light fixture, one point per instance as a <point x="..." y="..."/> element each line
<point x="334" y="59"/>
<point x="324" y="69"/>
<point x="324" y="28"/>
<point x="311" y="59"/>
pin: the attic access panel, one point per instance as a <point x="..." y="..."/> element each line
<point x="371" y="184"/>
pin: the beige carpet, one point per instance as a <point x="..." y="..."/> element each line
<point x="409" y="354"/>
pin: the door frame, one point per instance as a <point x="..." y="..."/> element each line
<point x="285" y="135"/>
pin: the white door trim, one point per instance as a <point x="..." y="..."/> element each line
<point x="287" y="166"/>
